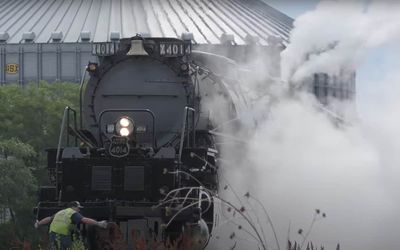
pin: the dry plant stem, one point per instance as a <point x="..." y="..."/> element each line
<point x="237" y="197"/>
<point x="269" y="220"/>
<point x="259" y="223"/>
<point x="249" y="220"/>
<point x="183" y="209"/>
<point x="246" y="231"/>
<point x="288" y="235"/>
<point x="253" y="236"/>
<point x="227" y="183"/>
<point x="242" y="229"/>
<point x="249" y="241"/>
<point x="308" y="231"/>
<point x="246" y="218"/>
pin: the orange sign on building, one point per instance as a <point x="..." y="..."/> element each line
<point x="12" y="68"/>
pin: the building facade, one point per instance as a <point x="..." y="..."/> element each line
<point x="52" y="40"/>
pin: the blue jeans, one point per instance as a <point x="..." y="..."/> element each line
<point x="59" y="241"/>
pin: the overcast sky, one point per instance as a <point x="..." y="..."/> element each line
<point x="293" y="8"/>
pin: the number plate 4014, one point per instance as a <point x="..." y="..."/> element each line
<point x="119" y="146"/>
<point x="174" y="49"/>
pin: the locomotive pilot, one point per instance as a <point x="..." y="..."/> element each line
<point x="63" y="222"/>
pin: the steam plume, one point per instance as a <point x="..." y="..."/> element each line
<point x="297" y="160"/>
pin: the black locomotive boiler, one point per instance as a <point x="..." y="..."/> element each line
<point x="139" y="151"/>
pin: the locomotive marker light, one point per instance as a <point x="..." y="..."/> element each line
<point x="141" y="129"/>
<point x="184" y="67"/>
<point x="92" y="67"/>
<point x="110" y="128"/>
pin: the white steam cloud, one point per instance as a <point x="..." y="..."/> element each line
<point x="297" y="160"/>
<point x="337" y="35"/>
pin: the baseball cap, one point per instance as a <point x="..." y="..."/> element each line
<point x="75" y="204"/>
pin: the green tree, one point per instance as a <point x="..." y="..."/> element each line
<point x="30" y="119"/>
<point x="17" y="189"/>
<point x="33" y="114"/>
<point x="16" y="179"/>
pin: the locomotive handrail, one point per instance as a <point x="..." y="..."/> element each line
<point x="185" y="117"/>
<point x="69" y="109"/>
<point x="129" y="110"/>
<point x="65" y="119"/>
<point x="81" y="98"/>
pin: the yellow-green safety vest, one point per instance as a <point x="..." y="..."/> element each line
<point x="62" y="223"/>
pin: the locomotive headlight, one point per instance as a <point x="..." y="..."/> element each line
<point x="124" y="122"/>
<point x="124" y="132"/>
<point x="124" y="126"/>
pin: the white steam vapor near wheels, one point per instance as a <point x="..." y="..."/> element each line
<point x="297" y="160"/>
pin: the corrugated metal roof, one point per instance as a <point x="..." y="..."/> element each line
<point x="206" y="19"/>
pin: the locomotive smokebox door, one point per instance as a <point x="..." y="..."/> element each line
<point x="119" y="146"/>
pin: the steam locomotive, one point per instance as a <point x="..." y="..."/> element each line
<point x="141" y="150"/>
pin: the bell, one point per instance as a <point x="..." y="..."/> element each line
<point x="137" y="49"/>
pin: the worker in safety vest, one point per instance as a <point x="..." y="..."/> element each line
<point x="63" y="222"/>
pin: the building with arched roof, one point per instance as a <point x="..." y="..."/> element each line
<point x="52" y="40"/>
